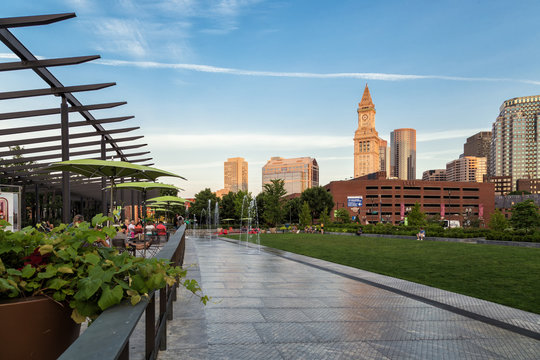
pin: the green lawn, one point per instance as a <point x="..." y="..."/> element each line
<point x="503" y="274"/>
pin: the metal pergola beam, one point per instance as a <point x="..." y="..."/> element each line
<point x="59" y="155"/>
<point x="59" y="147"/>
<point x="54" y="111"/>
<point x="13" y="22"/>
<point x="32" y="64"/>
<point x="71" y="136"/>
<point x="52" y="91"/>
<point x="27" y="129"/>
<point x="24" y="54"/>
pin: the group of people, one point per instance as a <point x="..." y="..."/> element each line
<point x="129" y="234"/>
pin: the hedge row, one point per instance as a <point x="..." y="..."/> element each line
<point x="436" y="231"/>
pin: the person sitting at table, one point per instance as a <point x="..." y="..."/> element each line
<point x="149" y="229"/>
<point x="161" y="231"/>
<point x="121" y="240"/>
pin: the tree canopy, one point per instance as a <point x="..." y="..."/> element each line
<point x="497" y="221"/>
<point x="318" y="199"/>
<point x="272" y="196"/>
<point x="525" y="215"/>
<point x="201" y="203"/>
<point x="416" y="217"/>
<point x="305" y="214"/>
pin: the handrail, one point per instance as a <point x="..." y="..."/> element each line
<point x="108" y="336"/>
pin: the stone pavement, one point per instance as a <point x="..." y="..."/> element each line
<point x="277" y="305"/>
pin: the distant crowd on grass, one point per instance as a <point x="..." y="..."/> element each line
<point x="310" y="212"/>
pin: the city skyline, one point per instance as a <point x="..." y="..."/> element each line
<point x="211" y="80"/>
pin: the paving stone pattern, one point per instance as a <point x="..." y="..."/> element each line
<point x="278" y="305"/>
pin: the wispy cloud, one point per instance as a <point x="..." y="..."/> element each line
<point x="344" y="75"/>
<point x="255" y="141"/>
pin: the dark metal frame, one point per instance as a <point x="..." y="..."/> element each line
<point x="33" y="173"/>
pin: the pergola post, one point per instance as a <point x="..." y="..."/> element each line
<point x="103" y="179"/>
<point x="66" y="196"/>
<point x="38" y="212"/>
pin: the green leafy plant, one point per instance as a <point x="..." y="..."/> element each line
<point x="68" y="266"/>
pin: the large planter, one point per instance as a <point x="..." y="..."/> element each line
<point x="35" y="328"/>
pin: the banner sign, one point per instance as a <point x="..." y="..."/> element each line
<point x="481" y="211"/>
<point x="7" y="208"/>
<point x="442" y="211"/>
<point x="402" y="211"/>
<point x="354" y="201"/>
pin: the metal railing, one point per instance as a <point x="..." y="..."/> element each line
<point x="108" y="336"/>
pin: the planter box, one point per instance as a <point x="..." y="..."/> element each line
<point x="35" y="328"/>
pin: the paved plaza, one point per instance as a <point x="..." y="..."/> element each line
<point x="271" y="304"/>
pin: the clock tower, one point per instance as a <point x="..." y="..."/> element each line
<point x="366" y="139"/>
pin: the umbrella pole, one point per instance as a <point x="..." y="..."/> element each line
<point x="112" y="196"/>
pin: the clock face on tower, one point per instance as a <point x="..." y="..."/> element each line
<point x="364" y="119"/>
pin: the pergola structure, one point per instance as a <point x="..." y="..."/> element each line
<point x="26" y="150"/>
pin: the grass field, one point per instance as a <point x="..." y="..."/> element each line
<point x="503" y="274"/>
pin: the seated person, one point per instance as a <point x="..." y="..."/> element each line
<point x="161" y="229"/>
<point x="121" y="240"/>
<point x="150" y="228"/>
<point x="421" y="234"/>
<point x="359" y="231"/>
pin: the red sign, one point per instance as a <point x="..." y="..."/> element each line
<point x="402" y="211"/>
<point x="442" y="211"/>
<point x="481" y="211"/>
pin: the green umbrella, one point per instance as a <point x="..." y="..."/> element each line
<point x="111" y="169"/>
<point x="144" y="187"/>
<point x="168" y="199"/>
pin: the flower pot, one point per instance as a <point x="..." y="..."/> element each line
<point x="272" y="230"/>
<point x="35" y="328"/>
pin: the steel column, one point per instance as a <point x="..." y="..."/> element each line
<point x="66" y="196"/>
<point x="103" y="179"/>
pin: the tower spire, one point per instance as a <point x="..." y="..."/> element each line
<point x="366" y="101"/>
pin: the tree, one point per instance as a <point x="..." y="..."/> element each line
<point x="318" y="199"/>
<point x="200" y="206"/>
<point x="342" y="215"/>
<point x="226" y="206"/>
<point x="241" y="204"/>
<point x="497" y="221"/>
<point x="416" y="217"/>
<point x="291" y="210"/>
<point x="273" y="201"/>
<point x="525" y="215"/>
<point x="305" y="214"/>
<point x="325" y="217"/>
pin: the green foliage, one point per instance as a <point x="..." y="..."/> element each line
<point x="325" y="217"/>
<point x="241" y="204"/>
<point x="416" y="217"/>
<point x="65" y="265"/>
<point x="201" y="203"/>
<point x="519" y="192"/>
<point x="226" y="206"/>
<point x="272" y="197"/>
<point x="292" y="210"/>
<point x="525" y="215"/>
<point x="342" y="215"/>
<point x="497" y="221"/>
<point x="318" y="199"/>
<point x="305" y="214"/>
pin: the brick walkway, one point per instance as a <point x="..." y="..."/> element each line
<point x="278" y="305"/>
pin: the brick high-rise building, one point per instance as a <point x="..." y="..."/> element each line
<point x="403" y="154"/>
<point x="298" y="174"/>
<point x="235" y="174"/>
<point x="515" y="145"/>
<point x="466" y="169"/>
<point x="384" y="157"/>
<point x="366" y="139"/>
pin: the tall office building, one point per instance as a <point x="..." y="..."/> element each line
<point x="403" y="154"/>
<point x="515" y="145"/>
<point x="434" y="175"/>
<point x="298" y="174"/>
<point x="235" y="175"/>
<point x="478" y="145"/>
<point x="466" y="169"/>
<point x="384" y="157"/>
<point x="366" y="139"/>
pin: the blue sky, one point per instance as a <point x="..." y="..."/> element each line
<point x="207" y="80"/>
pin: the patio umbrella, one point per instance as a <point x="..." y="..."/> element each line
<point x="111" y="169"/>
<point x="167" y="200"/>
<point x="144" y="187"/>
